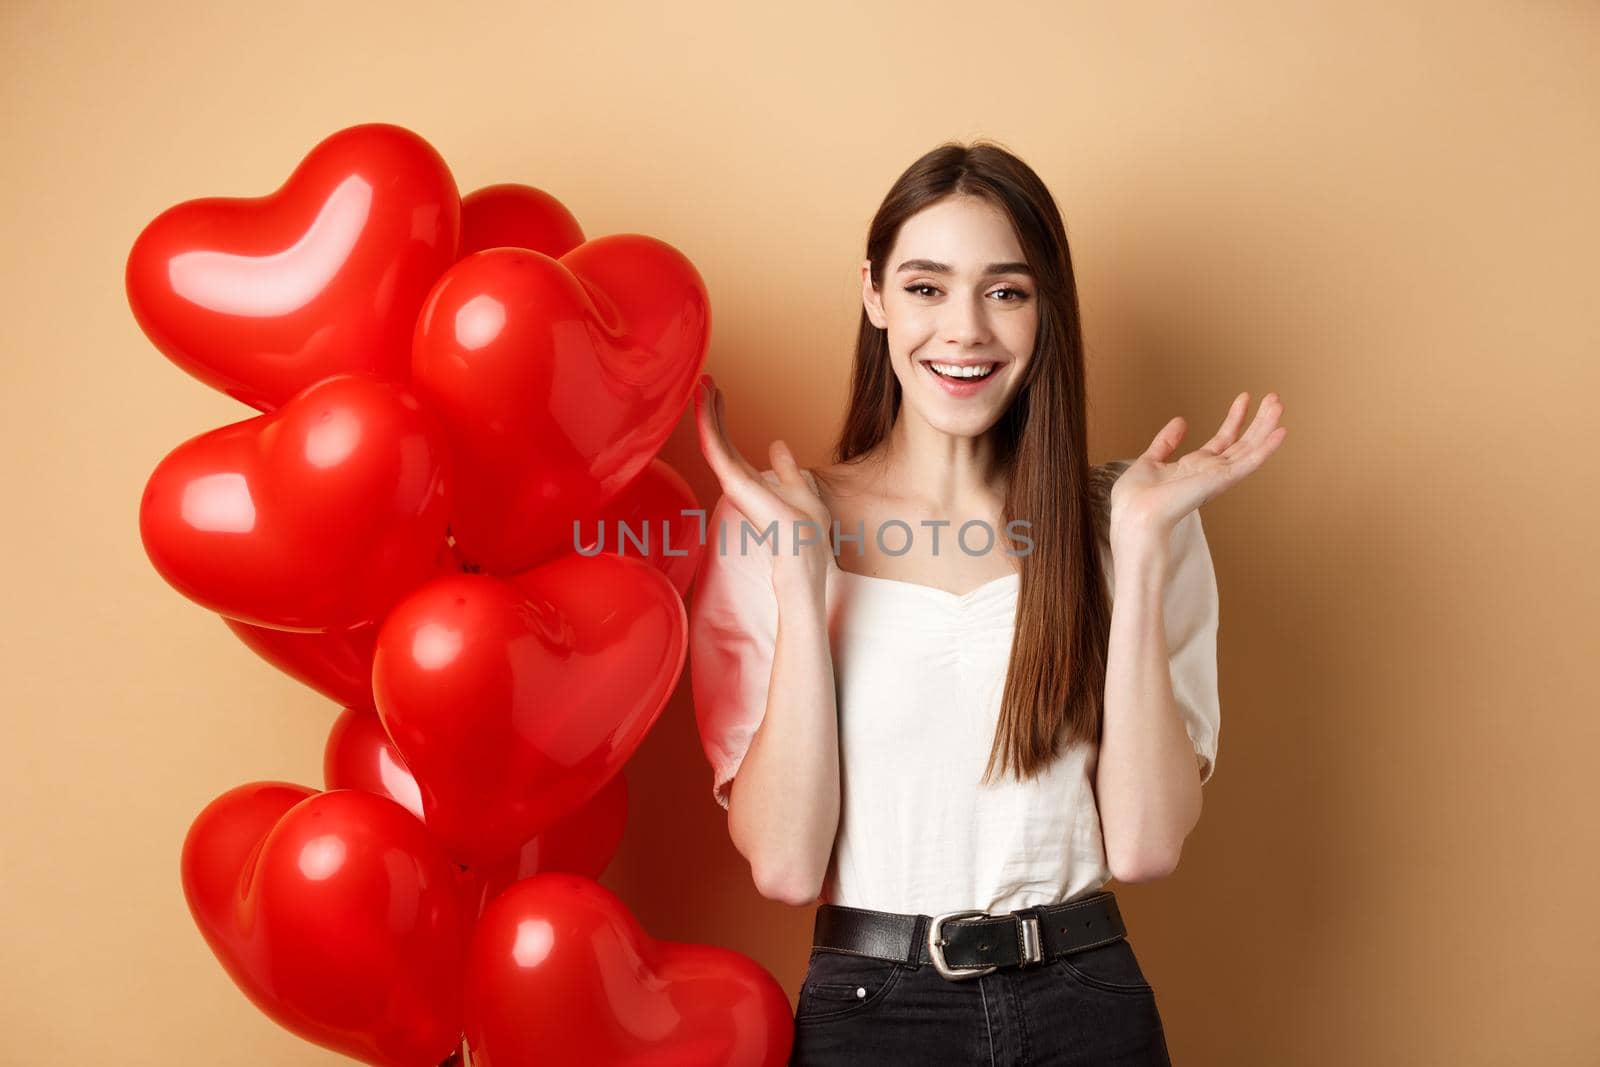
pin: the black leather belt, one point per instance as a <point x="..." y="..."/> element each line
<point x="965" y="944"/>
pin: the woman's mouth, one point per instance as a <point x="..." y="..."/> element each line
<point x="962" y="379"/>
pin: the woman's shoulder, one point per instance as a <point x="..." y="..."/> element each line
<point x="833" y="476"/>
<point x="1102" y="476"/>
<point x="856" y="479"/>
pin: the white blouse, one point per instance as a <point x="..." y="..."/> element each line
<point x="919" y="674"/>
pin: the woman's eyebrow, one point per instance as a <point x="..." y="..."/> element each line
<point x="935" y="267"/>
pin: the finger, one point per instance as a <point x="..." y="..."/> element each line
<point x="712" y="445"/>
<point x="1228" y="432"/>
<point x="1263" y="424"/>
<point x="1166" y="440"/>
<point x="723" y="458"/>
<point x="719" y="407"/>
<point x="783" y="463"/>
<point x="1256" y="456"/>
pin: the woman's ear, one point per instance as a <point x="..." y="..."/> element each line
<point x="870" y="298"/>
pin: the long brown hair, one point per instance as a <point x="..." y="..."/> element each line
<point x="1056" y="678"/>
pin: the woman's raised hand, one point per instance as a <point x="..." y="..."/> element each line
<point x="791" y="503"/>
<point x="1156" y="491"/>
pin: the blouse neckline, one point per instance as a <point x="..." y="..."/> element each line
<point x="932" y="590"/>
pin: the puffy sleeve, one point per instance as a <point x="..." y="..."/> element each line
<point x="1191" y="612"/>
<point x="733" y="627"/>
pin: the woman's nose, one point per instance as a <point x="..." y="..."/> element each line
<point x="964" y="322"/>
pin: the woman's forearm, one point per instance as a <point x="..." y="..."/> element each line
<point x="784" y="804"/>
<point x="1147" y="782"/>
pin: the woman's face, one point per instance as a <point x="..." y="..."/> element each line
<point x="957" y="295"/>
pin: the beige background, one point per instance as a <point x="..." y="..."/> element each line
<point x="1387" y="212"/>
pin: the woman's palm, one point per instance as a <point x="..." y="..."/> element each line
<point x="1159" y="490"/>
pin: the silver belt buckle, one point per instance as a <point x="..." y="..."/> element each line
<point x="1032" y="947"/>
<point x="936" y="945"/>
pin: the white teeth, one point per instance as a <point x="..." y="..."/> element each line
<point x="950" y="370"/>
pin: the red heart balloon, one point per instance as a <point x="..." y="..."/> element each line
<point x="517" y="216"/>
<point x="336" y="914"/>
<point x="558" y="381"/>
<point x="318" y="516"/>
<point x="336" y="663"/>
<point x="261" y="297"/>
<point x="646" y="521"/>
<point x="359" y="755"/>
<point x="560" y="972"/>
<point x="582" y="843"/>
<point x="514" y="703"/>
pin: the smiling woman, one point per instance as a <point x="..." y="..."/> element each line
<point x="919" y="739"/>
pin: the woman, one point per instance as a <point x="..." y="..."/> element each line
<point x="952" y="737"/>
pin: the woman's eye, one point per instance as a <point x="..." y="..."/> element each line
<point x="1018" y="295"/>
